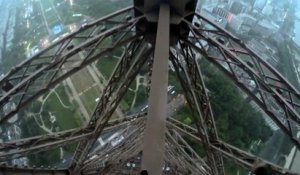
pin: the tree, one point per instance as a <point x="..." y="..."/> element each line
<point x="237" y="121"/>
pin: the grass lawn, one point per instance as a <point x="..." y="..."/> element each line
<point x="88" y="99"/>
<point x="124" y="105"/>
<point x="82" y="80"/>
<point x="26" y="125"/>
<point x="142" y="96"/>
<point x="66" y="118"/>
<point x="106" y="65"/>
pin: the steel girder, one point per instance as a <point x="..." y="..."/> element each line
<point x="177" y="158"/>
<point x="104" y="150"/>
<point x="20" y="148"/>
<point x="31" y="171"/>
<point x="175" y="127"/>
<point x="242" y="158"/>
<point x="192" y="155"/>
<point x="129" y="66"/>
<point x="112" y="160"/>
<point x="265" y="85"/>
<point x="129" y="147"/>
<point x="154" y="138"/>
<point x="37" y="75"/>
<point x="184" y="156"/>
<point x="192" y="83"/>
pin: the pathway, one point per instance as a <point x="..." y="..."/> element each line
<point x="138" y="84"/>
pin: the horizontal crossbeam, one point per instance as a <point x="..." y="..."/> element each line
<point x="242" y="158"/>
<point x="26" y="171"/>
<point x="37" y="75"/>
<point x="258" y="79"/>
<point x="23" y="147"/>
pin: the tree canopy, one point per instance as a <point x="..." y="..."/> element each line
<point x="237" y="121"/>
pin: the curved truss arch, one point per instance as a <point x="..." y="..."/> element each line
<point x="35" y="76"/>
<point x="269" y="89"/>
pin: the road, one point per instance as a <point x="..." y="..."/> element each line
<point x="44" y="18"/>
<point x="77" y="99"/>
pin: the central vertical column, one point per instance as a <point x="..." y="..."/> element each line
<point x="154" y="140"/>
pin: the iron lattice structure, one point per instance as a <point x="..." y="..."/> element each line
<point x="150" y="32"/>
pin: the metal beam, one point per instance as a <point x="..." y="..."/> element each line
<point x="37" y="75"/>
<point x="191" y="82"/>
<point x="270" y="90"/>
<point x="153" y="149"/>
<point x="20" y="148"/>
<point x="241" y="157"/>
<point x="31" y="171"/>
<point x="135" y="56"/>
<point x="61" y="60"/>
<point x="197" y="83"/>
<point x="191" y="159"/>
<point x="129" y="147"/>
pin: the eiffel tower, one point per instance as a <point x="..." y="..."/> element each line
<point x="154" y="34"/>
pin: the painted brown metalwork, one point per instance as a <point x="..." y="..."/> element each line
<point x="154" y="139"/>
<point x="270" y="90"/>
<point x="192" y="37"/>
<point x="127" y="69"/>
<point x="189" y="82"/>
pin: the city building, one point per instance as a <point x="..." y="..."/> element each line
<point x="221" y="20"/>
<point x="235" y="23"/>
<point x="267" y="10"/>
<point x="252" y="2"/>
<point x="221" y="12"/>
<point x="264" y="50"/>
<point x="260" y="4"/>
<point x="237" y="7"/>
<point x="265" y="28"/>
<point x="241" y="23"/>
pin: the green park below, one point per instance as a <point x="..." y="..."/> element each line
<point x="238" y="123"/>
